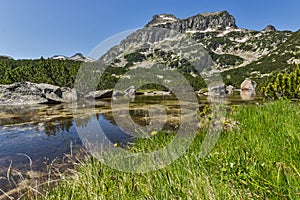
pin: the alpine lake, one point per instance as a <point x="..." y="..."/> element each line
<point x="33" y="137"/>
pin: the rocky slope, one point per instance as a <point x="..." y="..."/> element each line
<point x="234" y="50"/>
<point x="229" y="46"/>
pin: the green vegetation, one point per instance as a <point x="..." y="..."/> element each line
<point x="284" y="85"/>
<point x="56" y="72"/>
<point x="226" y="59"/>
<point x="64" y="72"/>
<point x="256" y="159"/>
<point x="276" y="61"/>
<point x="134" y="57"/>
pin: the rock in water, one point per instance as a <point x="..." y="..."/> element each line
<point x="229" y="89"/>
<point x="248" y="89"/>
<point x="248" y="84"/>
<point x="217" y="90"/>
<point x="99" y="94"/>
<point x="22" y="93"/>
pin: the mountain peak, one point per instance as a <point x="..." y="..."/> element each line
<point x="75" y="57"/>
<point x="3" y="57"/>
<point x="269" y="28"/>
<point x="211" y="20"/>
<point x="224" y="12"/>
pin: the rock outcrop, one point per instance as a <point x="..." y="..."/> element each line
<point x="248" y="85"/>
<point x="99" y="94"/>
<point x="23" y="93"/>
<point x="216" y="20"/>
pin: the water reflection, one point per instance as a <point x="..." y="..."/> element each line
<point x="47" y="130"/>
<point x="247" y="95"/>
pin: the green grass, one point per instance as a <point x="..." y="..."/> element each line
<point x="258" y="159"/>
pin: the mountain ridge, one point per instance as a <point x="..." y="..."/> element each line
<point x="238" y="53"/>
<point x="214" y="20"/>
<point x="75" y="57"/>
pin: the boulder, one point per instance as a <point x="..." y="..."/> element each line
<point x="248" y="84"/>
<point x="118" y="93"/>
<point x="229" y="89"/>
<point x="23" y="93"/>
<point x="217" y="90"/>
<point x="99" y="94"/>
<point x="57" y="94"/>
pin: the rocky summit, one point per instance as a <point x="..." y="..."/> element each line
<point x="207" y="21"/>
<point x="270" y="28"/>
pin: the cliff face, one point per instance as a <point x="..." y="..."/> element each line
<point x="200" y="22"/>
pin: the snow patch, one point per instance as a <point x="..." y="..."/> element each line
<point x="242" y="40"/>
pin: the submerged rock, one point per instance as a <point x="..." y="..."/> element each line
<point x="23" y="93"/>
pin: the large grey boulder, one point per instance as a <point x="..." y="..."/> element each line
<point x="217" y="90"/>
<point x="100" y="94"/>
<point x="23" y="93"/>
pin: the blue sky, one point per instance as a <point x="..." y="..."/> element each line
<point x="35" y="28"/>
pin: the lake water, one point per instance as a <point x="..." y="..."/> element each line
<point x="47" y="132"/>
